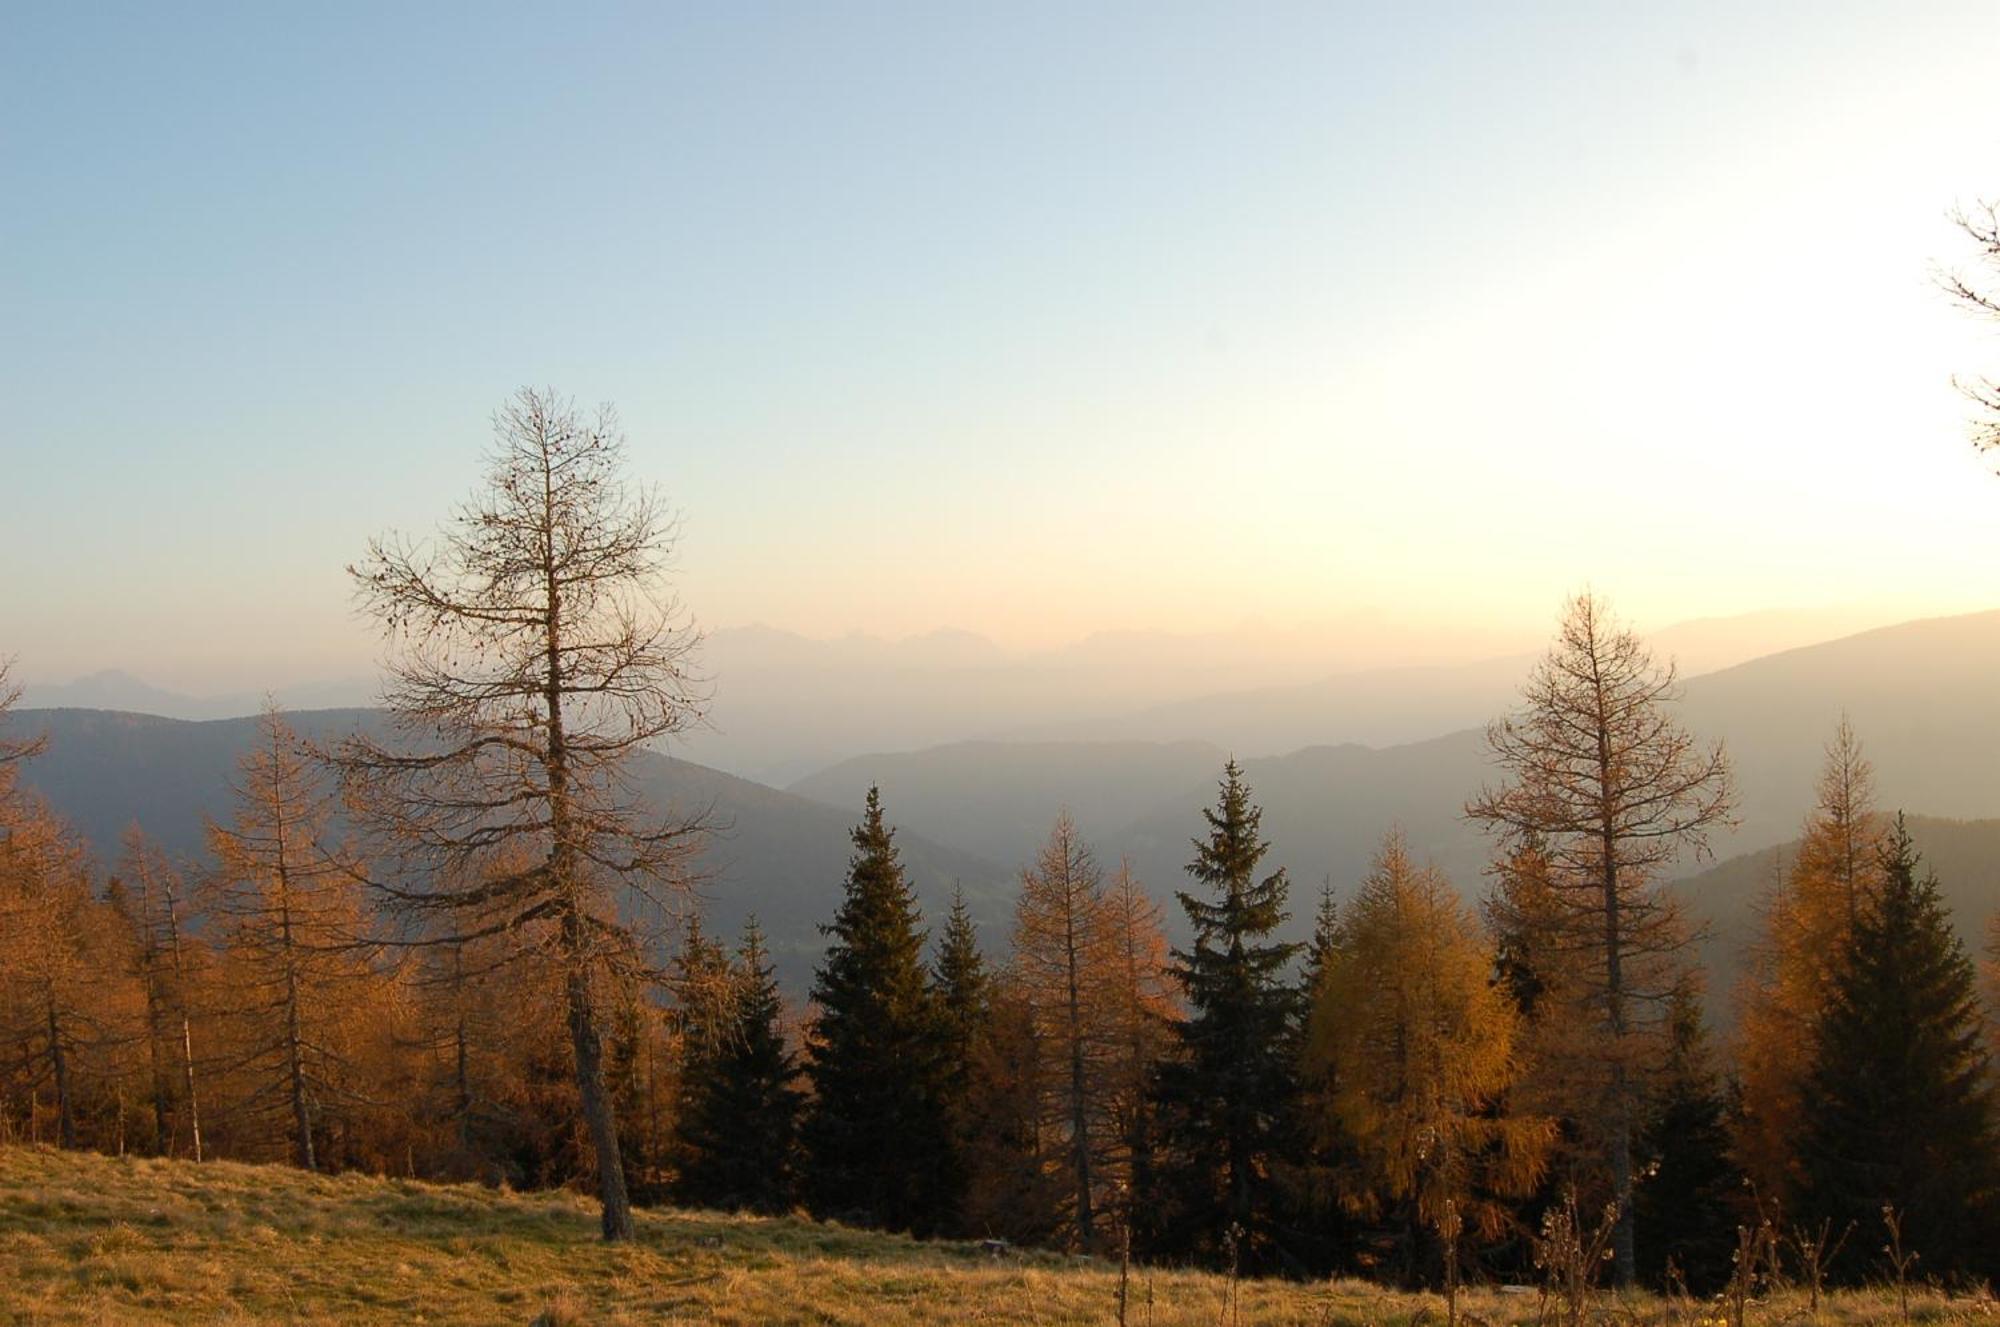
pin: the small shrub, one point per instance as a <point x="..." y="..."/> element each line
<point x="561" y="1309"/>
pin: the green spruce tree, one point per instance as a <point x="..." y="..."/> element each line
<point x="962" y="983"/>
<point x="1325" y="940"/>
<point x="1900" y="1112"/>
<point x="738" y="1126"/>
<point x="703" y="993"/>
<point x="1690" y="1191"/>
<point x="963" y="992"/>
<point x="1227" y="1097"/>
<point x="877" y="1138"/>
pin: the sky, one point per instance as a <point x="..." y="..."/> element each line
<point x="1027" y="320"/>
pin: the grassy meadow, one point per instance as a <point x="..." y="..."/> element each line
<point x="114" y="1240"/>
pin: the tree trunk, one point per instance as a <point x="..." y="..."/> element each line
<point x="464" y="1086"/>
<point x="59" y="1068"/>
<point x="585" y="1042"/>
<point x="187" y="1030"/>
<point x="163" y="1127"/>
<point x="187" y="1065"/>
<point x="1079" y="1114"/>
<point x="295" y="1070"/>
<point x="295" y="1064"/>
<point x="588" y="1048"/>
<point x="1624" y="1258"/>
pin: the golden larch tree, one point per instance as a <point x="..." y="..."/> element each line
<point x="1807" y="924"/>
<point x="1419" y="1046"/>
<point x="155" y="906"/>
<point x="287" y="898"/>
<point x="62" y="982"/>
<point x="1140" y="1004"/>
<point x="1065" y="957"/>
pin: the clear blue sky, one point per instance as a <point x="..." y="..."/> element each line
<point x="1023" y="319"/>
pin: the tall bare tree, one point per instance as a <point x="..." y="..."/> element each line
<point x="534" y="651"/>
<point x="1612" y="789"/>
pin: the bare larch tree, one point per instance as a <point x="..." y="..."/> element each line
<point x="533" y="651"/>
<point x="1612" y="789"/>
<point x="1978" y="292"/>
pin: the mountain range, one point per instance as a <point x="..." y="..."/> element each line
<point x="1964" y="854"/>
<point x="780" y="706"/>
<point x="1918" y="694"/>
<point x="771" y="853"/>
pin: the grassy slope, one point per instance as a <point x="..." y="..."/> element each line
<point x="90" y="1239"/>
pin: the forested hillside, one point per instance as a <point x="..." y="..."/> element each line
<point x="1920" y="692"/>
<point x="1732" y="894"/>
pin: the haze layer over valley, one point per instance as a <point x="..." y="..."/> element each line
<point x="782" y="706"/>
<point x="972" y="810"/>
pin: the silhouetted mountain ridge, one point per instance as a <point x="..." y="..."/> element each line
<point x="777" y="855"/>
<point x="1919" y="695"/>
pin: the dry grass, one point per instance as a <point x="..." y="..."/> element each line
<point x="101" y="1240"/>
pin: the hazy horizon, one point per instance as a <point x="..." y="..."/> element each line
<point x="780" y="707"/>
<point x="1252" y="649"/>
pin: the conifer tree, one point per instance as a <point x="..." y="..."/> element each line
<point x="61" y="993"/>
<point x="1064" y="955"/>
<point x="464" y="1018"/>
<point x="704" y="991"/>
<point x="1323" y="944"/>
<point x="1689" y="1199"/>
<point x="1989" y="979"/>
<point x="1420" y="1048"/>
<point x="1808" y="926"/>
<point x="1521" y="911"/>
<point x="1612" y="790"/>
<point x="1902" y="1113"/>
<point x="289" y="901"/>
<point x="153" y="906"/>
<point x="876" y="1138"/>
<point x="536" y="649"/>
<point x="963" y="990"/>
<point x="1009" y="1193"/>
<point x="738" y="1126"/>
<point x="961" y="982"/>
<point x="1227" y="1093"/>
<point x="1139" y="1012"/>
<point x="1321" y="1214"/>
